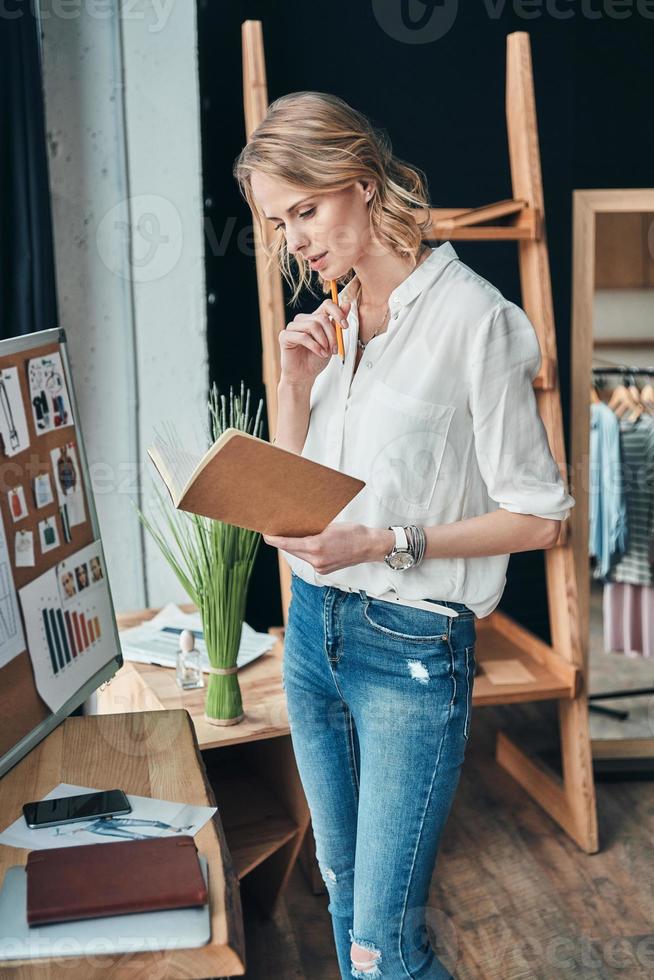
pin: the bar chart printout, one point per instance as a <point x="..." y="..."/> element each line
<point x="69" y="624"/>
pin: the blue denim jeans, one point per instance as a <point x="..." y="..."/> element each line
<point x="379" y="701"/>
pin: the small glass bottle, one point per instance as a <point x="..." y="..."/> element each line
<point x="189" y="668"/>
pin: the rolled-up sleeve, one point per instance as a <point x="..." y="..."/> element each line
<point x="511" y="443"/>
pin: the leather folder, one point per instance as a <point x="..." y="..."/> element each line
<point x="113" y="878"/>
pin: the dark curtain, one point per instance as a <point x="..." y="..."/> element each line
<point x="27" y="278"/>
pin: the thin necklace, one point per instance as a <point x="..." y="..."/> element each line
<point x="360" y="343"/>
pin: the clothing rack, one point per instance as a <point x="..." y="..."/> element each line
<point x="625" y="369"/>
<point x="629" y="372"/>
<point x="636" y="692"/>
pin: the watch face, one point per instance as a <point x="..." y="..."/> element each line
<point x="403" y="559"/>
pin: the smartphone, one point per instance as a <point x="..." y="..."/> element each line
<point x="69" y="809"/>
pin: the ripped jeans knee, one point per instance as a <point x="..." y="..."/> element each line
<point x="366" y="958"/>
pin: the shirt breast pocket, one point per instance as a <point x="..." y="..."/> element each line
<point x="410" y="440"/>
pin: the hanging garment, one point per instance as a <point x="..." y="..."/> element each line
<point x="608" y="526"/>
<point x="637" y="439"/>
<point x="628" y="619"/>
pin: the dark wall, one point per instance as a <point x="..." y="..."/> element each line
<point x="442" y="104"/>
<point x="27" y="276"/>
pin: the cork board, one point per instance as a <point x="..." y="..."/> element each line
<point x="55" y="454"/>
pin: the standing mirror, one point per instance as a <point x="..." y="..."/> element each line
<point x="613" y="479"/>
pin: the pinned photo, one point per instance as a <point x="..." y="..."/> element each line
<point x="17" y="503"/>
<point x="48" y="535"/>
<point x="13" y="421"/>
<point x="48" y="393"/>
<point x="68" y="584"/>
<point x="82" y="577"/>
<point x="68" y="481"/>
<point x="96" y="569"/>
<point x="24" y="549"/>
<point x="42" y="486"/>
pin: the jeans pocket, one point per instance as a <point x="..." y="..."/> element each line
<point x="405" y="622"/>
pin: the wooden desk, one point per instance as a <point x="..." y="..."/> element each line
<point x="147" y="687"/>
<point x="251" y="765"/>
<point x="135" y="753"/>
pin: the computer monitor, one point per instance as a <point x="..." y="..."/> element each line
<point x="58" y="634"/>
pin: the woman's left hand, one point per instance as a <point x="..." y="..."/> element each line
<point x="338" y="546"/>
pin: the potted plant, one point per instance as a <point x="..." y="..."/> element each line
<point x="213" y="561"/>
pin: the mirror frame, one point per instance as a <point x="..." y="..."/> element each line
<point x="587" y="204"/>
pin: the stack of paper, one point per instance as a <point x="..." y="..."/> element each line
<point x="148" y="818"/>
<point x="157" y="641"/>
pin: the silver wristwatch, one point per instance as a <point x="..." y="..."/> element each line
<point x="400" y="556"/>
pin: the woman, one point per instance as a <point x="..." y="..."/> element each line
<point x="434" y="409"/>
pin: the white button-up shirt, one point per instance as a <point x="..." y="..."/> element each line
<point x="440" y="420"/>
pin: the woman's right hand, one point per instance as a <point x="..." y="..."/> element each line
<point x="309" y="341"/>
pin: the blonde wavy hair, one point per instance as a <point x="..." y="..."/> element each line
<point x="316" y="140"/>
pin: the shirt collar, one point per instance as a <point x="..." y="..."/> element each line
<point x="415" y="282"/>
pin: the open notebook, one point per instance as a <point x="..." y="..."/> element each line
<point x="248" y="482"/>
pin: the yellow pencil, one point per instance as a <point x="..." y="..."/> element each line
<point x="339" y="329"/>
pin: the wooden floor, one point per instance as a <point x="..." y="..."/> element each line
<point x="512" y="898"/>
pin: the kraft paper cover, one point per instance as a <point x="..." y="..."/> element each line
<point x="251" y="483"/>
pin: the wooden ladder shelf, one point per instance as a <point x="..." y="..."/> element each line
<point x="514" y="665"/>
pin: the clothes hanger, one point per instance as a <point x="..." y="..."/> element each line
<point x="634" y="391"/>
<point x="625" y="400"/>
<point x="638" y="398"/>
<point x="647" y="396"/>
